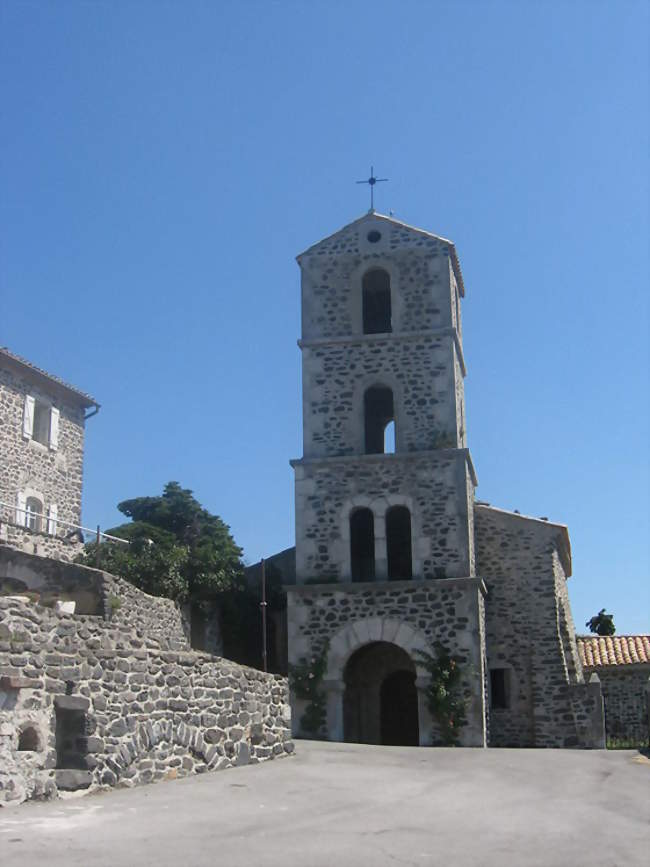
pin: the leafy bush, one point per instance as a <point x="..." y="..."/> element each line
<point x="444" y="692"/>
<point x="305" y="679"/>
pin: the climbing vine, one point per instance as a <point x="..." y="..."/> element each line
<point x="305" y="678"/>
<point x="444" y="692"/>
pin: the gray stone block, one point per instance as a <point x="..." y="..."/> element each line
<point x="69" y="780"/>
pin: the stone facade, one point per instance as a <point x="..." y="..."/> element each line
<point x="117" y="697"/>
<point x="423" y="371"/>
<point x="622" y="665"/>
<point x="391" y="548"/>
<point x="410" y="614"/>
<point x="435" y="486"/>
<point x="42" y="441"/>
<point x="627" y="702"/>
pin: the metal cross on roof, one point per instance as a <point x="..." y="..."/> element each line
<point x="372" y="180"/>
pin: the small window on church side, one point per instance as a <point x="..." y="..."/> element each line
<point x="500" y="688"/>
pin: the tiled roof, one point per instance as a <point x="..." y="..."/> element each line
<point x="614" y="649"/>
<point x="85" y="399"/>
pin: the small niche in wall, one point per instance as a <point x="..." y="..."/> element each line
<point x="500" y="688"/>
<point x="28" y="740"/>
<point x="71" y="735"/>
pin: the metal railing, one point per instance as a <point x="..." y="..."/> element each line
<point x="21" y="518"/>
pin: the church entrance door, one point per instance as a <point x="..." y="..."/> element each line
<point x="380" y="703"/>
<point x="399" y="710"/>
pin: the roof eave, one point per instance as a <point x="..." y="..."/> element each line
<point x="53" y="383"/>
<point x="393" y="221"/>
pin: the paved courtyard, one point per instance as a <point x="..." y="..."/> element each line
<point x="353" y="805"/>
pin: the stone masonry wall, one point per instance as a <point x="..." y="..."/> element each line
<point x="161" y="622"/>
<point x="433" y="487"/>
<point x="54" y="475"/>
<point x="149" y="713"/>
<point x="420" y="371"/>
<point x="446" y="611"/>
<point x="521" y="560"/>
<point x="418" y="265"/>
<point x="626" y="692"/>
<point x="43" y="544"/>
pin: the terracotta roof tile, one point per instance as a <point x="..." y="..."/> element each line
<point x="614" y="649"/>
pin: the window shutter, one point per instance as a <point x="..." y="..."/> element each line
<point x="54" y="428"/>
<point x="28" y="417"/>
<point x="21" y="502"/>
<point x="51" y="519"/>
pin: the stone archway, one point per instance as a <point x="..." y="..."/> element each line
<point x="380" y="702"/>
<point x="351" y="638"/>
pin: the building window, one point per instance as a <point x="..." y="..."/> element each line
<point x="34" y="514"/>
<point x="362" y="545"/>
<point x="41" y="431"/>
<point x="398" y="543"/>
<point x="41" y="422"/>
<point x="500" y="688"/>
<point x="379" y="412"/>
<point x="376" y="302"/>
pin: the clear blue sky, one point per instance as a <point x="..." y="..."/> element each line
<point x="163" y="162"/>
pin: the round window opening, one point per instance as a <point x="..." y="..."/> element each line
<point x="374" y="236"/>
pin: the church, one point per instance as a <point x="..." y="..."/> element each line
<point x="399" y="569"/>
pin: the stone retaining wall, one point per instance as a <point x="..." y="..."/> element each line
<point x="41" y="543"/>
<point x="161" y="622"/>
<point x="143" y="713"/>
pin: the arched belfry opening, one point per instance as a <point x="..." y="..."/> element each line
<point x="378" y="414"/>
<point x="398" y="543"/>
<point x="362" y="545"/>
<point x="375" y="288"/>
<point x="380" y="702"/>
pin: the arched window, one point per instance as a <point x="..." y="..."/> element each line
<point x="376" y="302"/>
<point x="362" y="545"/>
<point x="28" y="740"/>
<point x="398" y="543"/>
<point x="34" y="514"/>
<point x="378" y="412"/>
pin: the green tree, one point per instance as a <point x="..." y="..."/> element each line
<point x="178" y="549"/>
<point x="601" y="623"/>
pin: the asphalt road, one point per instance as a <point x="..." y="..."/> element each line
<point x="342" y="805"/>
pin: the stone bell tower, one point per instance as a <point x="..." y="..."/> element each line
<point x="385" y="488"/>
<point x="382" y="348"/>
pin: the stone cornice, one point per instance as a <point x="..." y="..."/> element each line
<point x="392" y="337"/>
<point x="362" y="586"/>
<point x="399" y="457"/>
